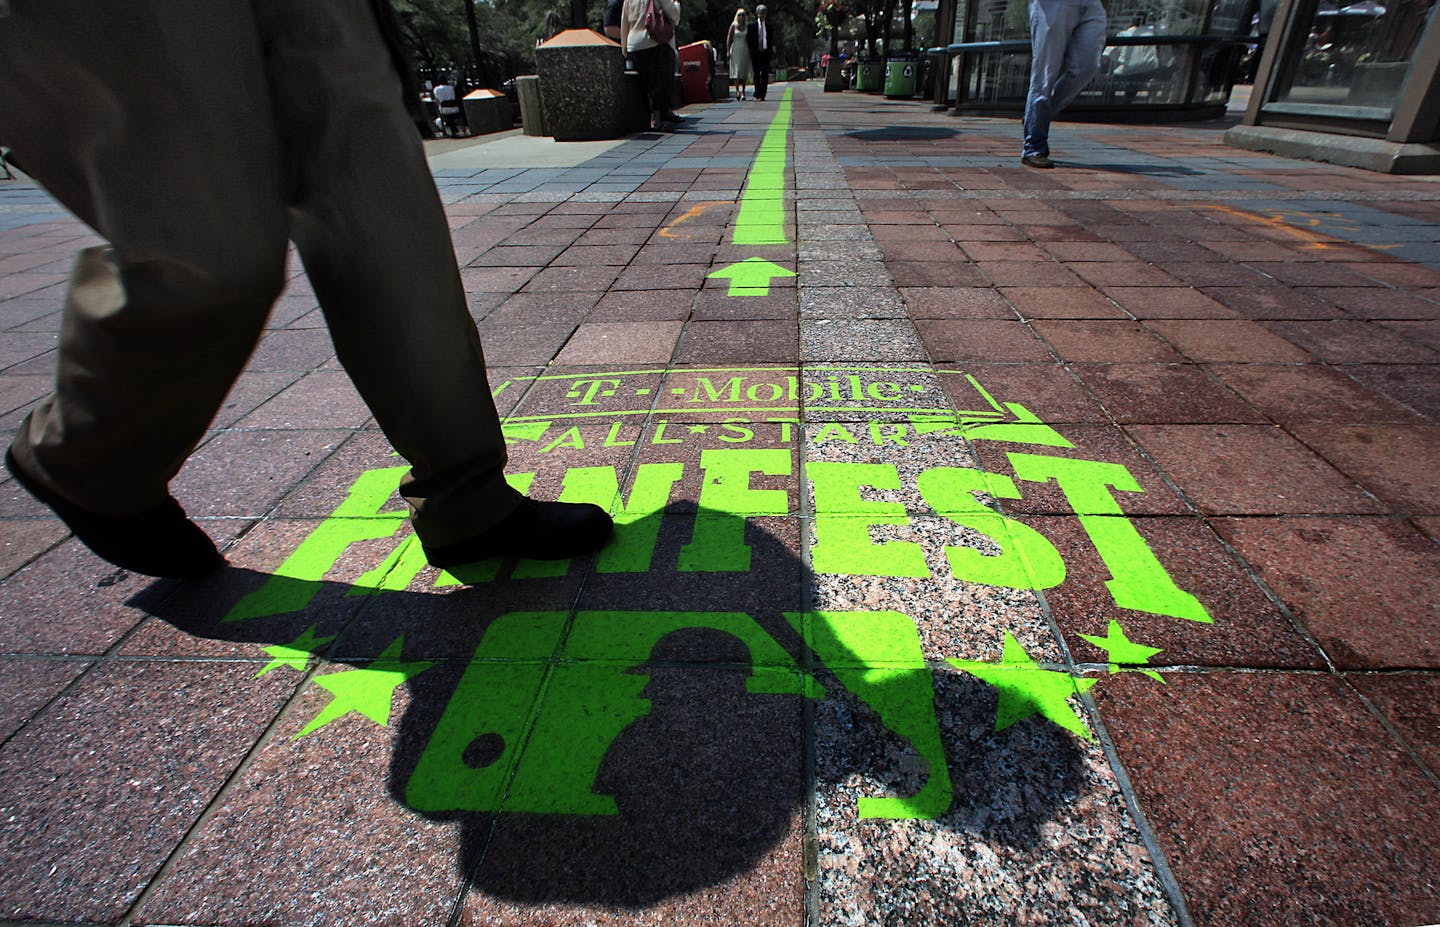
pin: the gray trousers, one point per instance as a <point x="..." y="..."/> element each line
<point x="198" y="138"/>
<point x="1067" y="39"/>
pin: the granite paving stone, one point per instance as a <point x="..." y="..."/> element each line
<point x="860" y="302"/>
<point x="621" y="343"/>
<point x="292" y="349"/>
<point x="995" y="838"/>
<point x="85" y="838"/>
<point x="1388" y="460"/>
<point x="513" y="344"/>
<point x="542" y="307"/>
<point x="1416" y="386"/>
<point x="1061" y="302"/>
<point x="1273" y="303"/>
<point x="1327" y="570"/>
<point x="245" y="473"/>
<point x="981" y="340"/>
<point x="1377" y="302"/>
<point x="911" y="391"/>
<point x="1294" y="393"/>
<point x="955" y="303"/>
<point x="1220" y="340"/>
<point x="1103" y="341"/>
<point x="1245" y="627"/>
<point x="718" y="305"/>
<point x="294" y="837"/>
<point x="768" y="341"/>
<point x="1164" y="393"/>
<point x="1408" y="701"/>
<point x="642" y="306"/>
<point x="51" y="591"/>
<point x="22" y="540"/>
<point x="1426" y="331"/>
<point x="1311" y="273"/>
<point x="34" y="684"/>
<point x="1106" y="445"/>
<point x="955" y="617"/>
<point x="1028" y="273"/>
<point x="877" y="340"/>
<point x="704" y="736"/>
<point x="1351" y="342"/>
<point x="1212" y="464"/>
<point x="1269" y="827"/>
<point x="1049" y="391"/>
<point x="320" y="399"/>
<point x="1215" y="274"/>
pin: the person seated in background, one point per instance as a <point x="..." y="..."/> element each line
<point x="448" y="104"/>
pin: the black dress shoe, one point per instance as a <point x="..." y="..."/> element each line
<point x="671" y="116"/>
<point x="157" y="542"/>
<point x="538" y="530"/>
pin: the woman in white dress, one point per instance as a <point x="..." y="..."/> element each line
<point x="739" y="54"/>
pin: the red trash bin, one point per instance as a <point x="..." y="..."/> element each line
<point x="695" y="72"/>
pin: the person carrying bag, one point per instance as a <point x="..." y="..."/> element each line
<point x="649" y="30"/>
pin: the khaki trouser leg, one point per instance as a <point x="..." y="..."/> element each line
<point x="196" y="193"/>
<point x="376" y="243"/>
<point x="115" y="109"/>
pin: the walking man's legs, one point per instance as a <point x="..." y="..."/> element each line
<point x="1066" y="38"/>
<point x="157" y="324"/>
<point x="196" y="201"/>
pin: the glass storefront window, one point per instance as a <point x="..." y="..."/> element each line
<point x="1173" y="55"/>
<point x="1353" y="60"/>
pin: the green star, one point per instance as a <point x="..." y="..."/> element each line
<point x="698" y="429"/>
<point x="368" y="691"/>
<point x="1026" y="689"/>
<point x="1124" y="651"/>
<point x="296" y="653"/>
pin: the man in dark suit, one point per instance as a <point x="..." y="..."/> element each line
<point x="760" y="36"/>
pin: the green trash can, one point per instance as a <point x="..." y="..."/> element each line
<point x="869" y="75"/>
<point x="900" y="78"/>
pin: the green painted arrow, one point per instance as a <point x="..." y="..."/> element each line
<point x="761" y="220"/>
<point x="751" y="277"/>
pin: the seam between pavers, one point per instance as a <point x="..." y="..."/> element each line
<point x="1159" y="860"/>
<point x="1169" y="884"/>
<point x="1391" y="728"/>
<point x="112" y="655"/>
<point x="1165" y="876"/>
<point x="218" y="801"/>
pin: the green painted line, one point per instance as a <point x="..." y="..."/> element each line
<point x="761" y="220"/>
<point x="762" y="206"/>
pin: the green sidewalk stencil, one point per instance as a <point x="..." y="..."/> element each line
<point x="295" y="654"/>
<point x="1125" y="655"/>
<point x="750" y="277"/>
<point x="567" y="704"/>
<point x="761" y="217"/>
<point x="546" y="694"/>
<point x="1027" y="690"/>
<point x="368" y="690"/>
<point x="762" y="206"/>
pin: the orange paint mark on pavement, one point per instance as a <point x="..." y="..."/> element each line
<point x="669" y="230"/>
<point x="1312" y="240"/>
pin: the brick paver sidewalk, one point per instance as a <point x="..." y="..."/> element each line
<point x="996" y="546"/>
